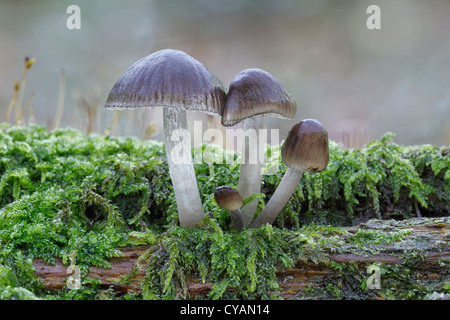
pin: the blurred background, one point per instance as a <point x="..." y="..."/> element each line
<point x="359" y="83"/>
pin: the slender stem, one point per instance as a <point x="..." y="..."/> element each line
<point x="179" y="159"/>
<point x="117" y="114"/>
<point x="236" y="219"/>
<point x="279" y="199"/>
<point x="250" y="172"/>
<point x="60" y="108"/>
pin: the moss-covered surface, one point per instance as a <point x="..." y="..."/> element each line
<point x="66" y="193"/>
<point x="408" y="269"/>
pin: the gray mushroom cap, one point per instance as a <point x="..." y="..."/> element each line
<point x="168" y="78"/>
<point x="256" y="92"/>
<point x="306" y="147"/>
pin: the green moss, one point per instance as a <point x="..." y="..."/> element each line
<point x="397" y="282"/>
<point x="367" y="237"/>
<point x="245" y="261"/>
<point x="16" y="293"/>
<point x="383" y="181"/>
<point x="66" y="193"/>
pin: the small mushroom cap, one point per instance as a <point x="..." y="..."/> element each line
<point x="168" y="78"/>
<point x="256" y="92"/>
<point x="228" y="198"/>
<point x="306" y="147"/>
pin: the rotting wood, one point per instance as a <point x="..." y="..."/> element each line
<point x="291" y="280"/>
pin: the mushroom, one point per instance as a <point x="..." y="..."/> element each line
<point x="252" y="94"/>
<point x="230" y="199"/>
<point x="305" y="149"/>
<point x="177" y="82"/>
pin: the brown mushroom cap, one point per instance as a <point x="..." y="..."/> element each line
<point x="228" y="198"/>
<point x="256" y="92"/>
<point x="168" y="78"/>
<point x="306" y="147"/>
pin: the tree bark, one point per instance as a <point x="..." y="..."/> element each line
<point x="292" y="281"/>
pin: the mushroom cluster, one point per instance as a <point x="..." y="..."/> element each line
<point x="177" y="82"/>
<point x="252" y="94"/>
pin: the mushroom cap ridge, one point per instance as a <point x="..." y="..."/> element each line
<point x="306" y="147"/>
<point x="256" y="92"/>
<point x="168" y="78"/>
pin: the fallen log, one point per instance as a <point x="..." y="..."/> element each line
<point x="430" y="264"/>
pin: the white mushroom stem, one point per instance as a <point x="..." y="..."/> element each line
<point x="250" y="172"/>
<point x="236" y="219"/>
<point x="179" y="159"/>
<point x="279" y="199"/>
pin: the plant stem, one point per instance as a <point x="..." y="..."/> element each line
<point x="114" y="120"/>
<point x="279" y="199"/>
<point x="250" y="172"/>
<point x="60" y="108"/>
<point x="179" y="159"/>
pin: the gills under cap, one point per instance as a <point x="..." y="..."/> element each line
<point x="306" y="147"/>
<point x="168" y="78"/>
<point x="256" y="92"/>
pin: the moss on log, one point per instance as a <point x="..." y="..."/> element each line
<point x="96" y="199"/>
<point x="413" y="255"/>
